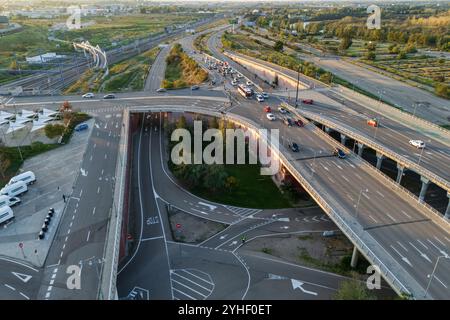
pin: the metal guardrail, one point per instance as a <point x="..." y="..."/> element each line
<point x="400" y="112"/>
<point x="318" y="197"/>
<point x="444" y="184"/>
<point x="434" y="215"/>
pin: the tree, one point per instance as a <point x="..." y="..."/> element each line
<point x="410" y="48"/>
<point x="231" y="183"/>
<point x="278" y="46"/>
<point x="346" y="42"/>
<point x="353" y="290"/>
<point x="13" y="65"/>
<point x="442" y="90"/>
<point x="54" y="130"/>
<point x="181" y="123"/>
<point x="326" y="77"/>
<point x="370" y="55"/>
<point x="215" y="177"/>
<point x="401" y="55"/>
<point x="371" y="46"/>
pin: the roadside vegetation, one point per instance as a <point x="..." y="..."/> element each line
<point x="200" y="43"/>
<point x="237" y="185"/>
<point x="181" y="70"/>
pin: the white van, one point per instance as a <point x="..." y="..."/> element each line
<point x="15" y="189"/>
<point x="8" y="201"/>
<point x="27" y="177"/>
<point x="6" y="214"/>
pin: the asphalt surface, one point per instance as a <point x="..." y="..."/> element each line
<point x="156" y="73"/>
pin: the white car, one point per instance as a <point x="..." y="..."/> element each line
<point x="270" y="116"/>
<point x="239" y="75"/>
<point x="282" y="110"/>
<point x="265" y="95"/>
<point x="260" y="98"/>
<point x="249" y="83"/>
<point x="234" y="83"/>
<point x="419" y="144"/>
<point x="88" y="95"/>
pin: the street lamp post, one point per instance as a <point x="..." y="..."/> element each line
<point x="434" y="270"/>
<point x="359" y="199"/>
<point x="298" y="80"/>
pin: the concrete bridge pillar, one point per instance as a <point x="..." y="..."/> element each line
<point x="360" y="148"/>
<point x="380" y="159"/>
<point x="355" y="256"/>
<point x="447" y="212"/>
<point x="423" y="190"/>
<point x="343" y="139"/>
<point x="400" y="171"/>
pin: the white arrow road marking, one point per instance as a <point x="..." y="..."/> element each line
<point x="24" y="277"/>
<point x="423" y="255"/>
<point x="315" y="219"/>
<point x="272" y="276"/>
<point x="97" y="126"/>
<point x="83" y="172"/>
<point x="233" y="243"/>
<point x="223" y="237"/>
<point x="284" y="219"/>
<point x="403" y="257"/>
<point x="298" y="284"/>
<point x="210" y="206"/>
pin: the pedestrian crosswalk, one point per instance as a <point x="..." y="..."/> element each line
<point x="243" y="212"/>
<point x="191" y="284"/>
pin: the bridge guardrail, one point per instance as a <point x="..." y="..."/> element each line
<point x="393" y="155"/>
<point x="108" y="273"/>
<point x="364" y="249"/>
<point x="434" y="215"/>
<point x="400" y="112"/>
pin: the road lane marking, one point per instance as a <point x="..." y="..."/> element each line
<point x="64" y="246"/>
<point x="370" y="216"/>
<point x="189" y="288"/>
<point x="93" y="211"/>
<point x="185" y="294"/>
<point x="10" y="287"/>
<point x="88" y="235"/>
<point x="401" y="245"/>
<point x="343" y="177"/>
<point x="380" y="193"/>
<point x="66" y="239"/>
<point x="68" y="231"/>
<point x="98" y="190"/>
<point x="392" y="218"/>
<point x="406" y="214"/>
<point x="52" y="282"/>
<point x="440" y="281"/>
<point x="25" y="296"/>
<point x="437" y="239"/>
<point x="422" y="244"/>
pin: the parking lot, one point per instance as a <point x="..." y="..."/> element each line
<point x="55" y="173"/>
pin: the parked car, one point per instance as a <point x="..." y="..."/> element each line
<point x="288" y="122"/>
<point x="260" y="98"/>
<point x="8" y="201"/>
<point x="88" y="95"/>
<point x="265" y="95"/>
<point x="109" y="96"/>
<point x="27" y="177"/>
<point x="249" y="83"/>
<point x="308" y="101"/>
<point x="81" y="127"/>
<point x="339" y="153"/>
<point x="294" y="147"/>
<point x="234" y="83"/>
<point x="419" y="144"/>
<point x="270" y="116"/>
<point x="267" y="109"/>
<point x="161" y="90"/>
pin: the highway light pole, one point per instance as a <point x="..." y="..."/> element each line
<point x="298" y="80"/>
<point x="432" y="274"/>
<point x="359" y="199"/>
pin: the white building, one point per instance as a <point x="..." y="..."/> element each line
<point x="46" y="57"/>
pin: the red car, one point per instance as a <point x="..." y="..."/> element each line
<point x="308" y="101"/>
<point x="299" y="122"/>
<point x="267" y="109"/>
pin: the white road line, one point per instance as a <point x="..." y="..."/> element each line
<point x="61" y="255"/>
<point x="49" y="288"/>
<point x="392" y="218"/>
<point x="176" y="274"/>
<point x="422" y="244"/>
<point x="380" y="193"/>
<point x="153" y="238"/>
<point x="194" y="275"/>
<point x="73" y="217"/>
<point x="106" y="155"/>
<point x="186" y="286"/>
<point x="365" y="195"/>
<point x="66" y="239"/>
<point x="401" y="245"/>
<point x="25" y="296"/>
<point x="68" y="231"/>
<point x="437" y="239"/>
<point x="98" y="190"/>
<point x="185" y="294"/>
<point x="88" y="235"/>
<point x="64" y="246"/>
<point x="52" y="282"/>
<point x="54" y="276"/>
<point x="93" y="211"/>
<point x="47" y="295"/>
<point x="81" y="192"/>
<point x="71" y="224"/>
<point x="370" y="216"/>
<point x="440" y="281"/>
<point x="406" y="214"/>
<point x="343" y="177"/>
<point x="358" y="176"/>
<point x="10" y="287"/>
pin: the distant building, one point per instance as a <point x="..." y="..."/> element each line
<point x="249" y="23"/>
<point x="42" y="58"/>
<point x="4" y="22"/>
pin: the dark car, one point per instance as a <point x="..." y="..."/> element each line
<point x="339" y="153"/>
<point x="288" y="122"/>
<point x="195" y="87"/>
<point x="299" y="123"/>
<point x="294" y="147"/>
<point x="109" y="96"/>
<point x="81" y="127"/>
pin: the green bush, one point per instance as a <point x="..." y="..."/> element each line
<point x="54" y="130"/>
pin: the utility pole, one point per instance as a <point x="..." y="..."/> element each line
<point x="298" y="80"/>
